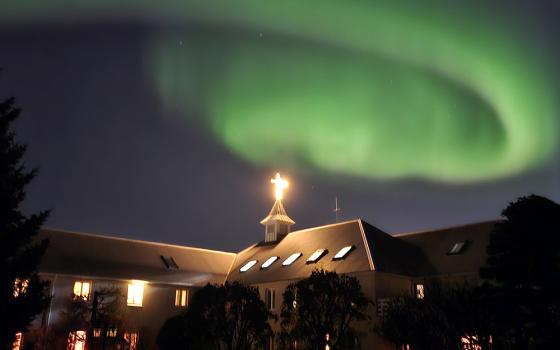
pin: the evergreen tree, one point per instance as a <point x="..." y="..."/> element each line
<point x="22" y="293"/>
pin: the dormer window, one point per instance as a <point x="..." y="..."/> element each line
<point x="457" y="248"/>
<point x="319" y="253"/>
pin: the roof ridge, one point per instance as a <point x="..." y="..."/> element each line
<point x="445" y="228"/>
<point x="134" y="240"/>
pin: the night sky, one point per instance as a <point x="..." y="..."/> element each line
<point x="166" y="122"/>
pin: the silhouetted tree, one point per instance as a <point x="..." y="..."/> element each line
<point x="322" y="309"/>
<point x="230" y="316"/>
<point x="524" y="269"/>
<point x="22" y="293"/>
<point x="106" y="311"/>
<point x="450" y="316"/>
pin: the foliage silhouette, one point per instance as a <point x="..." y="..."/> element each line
<point x="22" y="293"/>
<point x="524" y="273"/>
<point x="324" y="303"/>
<point x="225" y="317"/>
<point x="448" y="314"/>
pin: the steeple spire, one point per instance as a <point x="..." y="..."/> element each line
<point x="277" y="222"/>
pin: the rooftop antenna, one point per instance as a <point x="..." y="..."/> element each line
<point x="337" y="209"/>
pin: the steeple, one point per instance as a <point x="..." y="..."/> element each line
<point x="277" y="222"/>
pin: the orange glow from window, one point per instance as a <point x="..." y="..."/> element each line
<point x="20" y="287"/>
<point x="76" y="340"/>
<point x="82" y="290"/>
<point x="17" y="341"/>
<point x="135" y="294"/>
<point x="181" y="296"/>
<point x="132" y="340"/>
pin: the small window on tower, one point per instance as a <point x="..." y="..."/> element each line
<point x="248" y="265"/>
<point x="319" y="253"/>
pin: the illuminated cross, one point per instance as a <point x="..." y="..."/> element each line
<point x="280" y="184"/>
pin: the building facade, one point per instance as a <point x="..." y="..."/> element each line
<point x="157" y="280"/>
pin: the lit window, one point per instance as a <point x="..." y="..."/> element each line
<point x="270" y="298"/>
<point x="81" y="290"/>
<point x="248" y="265"/>
<point x="169" y="262"/>
<point x="181" y="296"/>
<point x="135" y="294"/>
<point x="76" y="340"/>
<point x="419" y="291"/>
<point x="18" y="341"/>
<point x="471" y="342"/>
<point x="269" y="262"/>
<point x="112" y="332"/>
<point x="457" y="248"/>
<point x="319" y="253"/>
<point x="20" y="286"/>
<point x="132" y="340"/>
<point x="291" y="259"/>
<point x="343" y="252"/>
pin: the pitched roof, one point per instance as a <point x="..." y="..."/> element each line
<point x="436" y="245"/>
<point x="411" y="254"/>
<point x="96" y="256"/>
<point x="373" y="250"/>
<point x="278" y="213"/>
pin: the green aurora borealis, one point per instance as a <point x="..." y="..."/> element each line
<point x="374" y="89"/>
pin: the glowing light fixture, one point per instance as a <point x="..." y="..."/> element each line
<point x="319" y="253"/>
<point x="248" y="265"/>
<point x="343" y="252"/>
<point x="280" y="185"/>
<point x="269" y="262"/>
<point x="291" y="259"/>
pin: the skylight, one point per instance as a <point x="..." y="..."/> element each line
<point x="457" y="248"/>
<point x="248" y="265"/>
<point x="319" y="253"/>
<point x="269" y="262"/>
<point x="291" y="259"/>
<point x="343" y="252"/>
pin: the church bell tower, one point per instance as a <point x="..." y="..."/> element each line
<point x="277" y="224"/>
